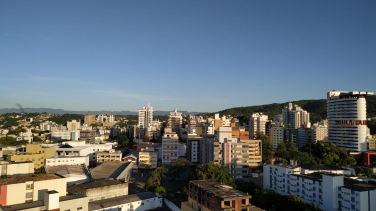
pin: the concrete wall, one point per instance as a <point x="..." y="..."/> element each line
<point x="74" y="204"/>
<point x="107" y="192"/>
<point x="16" y="169"/>
<point x="60" y="185"/>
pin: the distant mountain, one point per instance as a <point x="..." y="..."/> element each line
<point x="61" y="111"/>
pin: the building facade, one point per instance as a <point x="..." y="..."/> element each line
<point x="347" y="119"/>
<point x="145" y="117"/>
<point x="257" y="123"/>
<point x="170" y="143"/>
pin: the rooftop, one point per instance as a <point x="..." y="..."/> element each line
<point x="108" y="170"/>
<point x="318" y="167"/>
<point x="105" y="203"/>
<point x="222" y="191"/>
<point x="77" y="188"/>
<point x="22" y="179"/>
<point x="66" y="169"/>
<point x="360" y="187"/>
<point x="35" y="204"/>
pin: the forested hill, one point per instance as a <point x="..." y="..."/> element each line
<point x="316" y="108"/>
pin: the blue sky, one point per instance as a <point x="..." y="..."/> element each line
<point x="196" y="55"/>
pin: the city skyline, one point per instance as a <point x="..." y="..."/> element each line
<point x="202" y="56"/>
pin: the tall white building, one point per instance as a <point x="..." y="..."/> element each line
<point x="294" y="117"/>
<point x="73" y="125"/>
<point x="145" y="118"/>
<point x="175" y="120"/>
<point x="257" y="123"/>
<point x="347" y="119"/>
<point x="331" y="188"/>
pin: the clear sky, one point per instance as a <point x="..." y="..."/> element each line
<point x="196" y="55"/>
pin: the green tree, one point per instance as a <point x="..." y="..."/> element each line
<point x="123" y="141"/>
<point x="361" y="170"/>
<point x="267" y="147"/>
<point x="37" y="139"/>
<point x="286" y="150"/>
<point x="180" y="165"/>
<point x="328" y="153"/>
<point x="303" y="158"/>
<point x="7" y="140"/>
<point x="154" y="180"/>
<point x="215" y="172"/>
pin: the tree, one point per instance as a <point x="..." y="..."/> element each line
<point x="286" y="150"/>
<point x="7" y="140"/>
<point x="123" y="141"/>
<point x="94" y="125"/>
<point x="154" y="181"/>
<point x="179" y="166"/>
<point x="361" y="170"/>
<point x="267" y="148"/>
<point x="328" y="153"/>
<point x="37" y="139"/>
<point x="303" y="158"/>
<point x="215" y="172"/>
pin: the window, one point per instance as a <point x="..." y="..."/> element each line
<point x="79" y="208"/>
<point x="352" y="199"/>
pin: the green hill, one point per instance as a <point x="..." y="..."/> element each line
<point x="316" y="108"/>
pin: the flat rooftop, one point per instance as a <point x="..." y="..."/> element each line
<point x="219" y="190"/>
<point x="103" y="204"/>
<point x="66" y="170"/>
<point x="108" y="170"/>
<point x="28" y="178"/>
<point x="77" y="188"/>
<point x="35" y="204"/>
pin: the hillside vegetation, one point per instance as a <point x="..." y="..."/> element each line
<point x="316" y="108"/>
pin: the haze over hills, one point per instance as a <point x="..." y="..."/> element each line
<point x="316" y="108"/>
<point x="62" y="111"/>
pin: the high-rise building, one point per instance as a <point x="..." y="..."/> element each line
<point x="257" y="123"/>
<point x="276" y="135"/>
<point x="347" y="119"/>
<point x="175" y="121"/>
<point x="145" y="117"/>
<point x="170" y="144"/>
<point x="89" y="119"/>
<point x="73" y="124"/>
<point x="294" y="117"/>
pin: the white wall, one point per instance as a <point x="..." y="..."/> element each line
<point x="66" y="160"/>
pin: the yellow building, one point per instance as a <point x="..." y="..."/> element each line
<point x="35" y="153"/>
<point x="106" y="136"/>
<point x="147" y="158"/>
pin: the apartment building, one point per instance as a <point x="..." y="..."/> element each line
<point x="192" y="125"/>
<point x="65" y="135"/>
<point x="108" y="156"/>
<point x="332" y="191"/>
<point x="170" y="143"/>
<point x="89" y="119"/>
<point x="242" y="157"/>
<point x="175" y="121"/>
<point x="321" y="132"/>
<point x="276" y="135"/>
<point x="22" y="189"/>
<point x="74" y="124"/>
<point x="145" y="117"/>
<point x="35" y="153"/>
<point x="347" y="119"/>
<point x="148" y="158"/>
<point x="194" y="146"/>
<point x="257" y="123"/>
<point x="294" y="117"/>
<point x="88" y="136"/>
<point x="213" y="196"/>
<point x="67" y="160"/>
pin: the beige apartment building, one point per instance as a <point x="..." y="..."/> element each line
<point x="170" y="143"/>
<point x="22" y="189"/>
<point x="108" y="156"/>
<point x="35" y="153"/>
<point x="147" y="158"/>
<point x="89" y="119"/>
<point x="276" y="134"/>
<point x="257" y="123"/>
